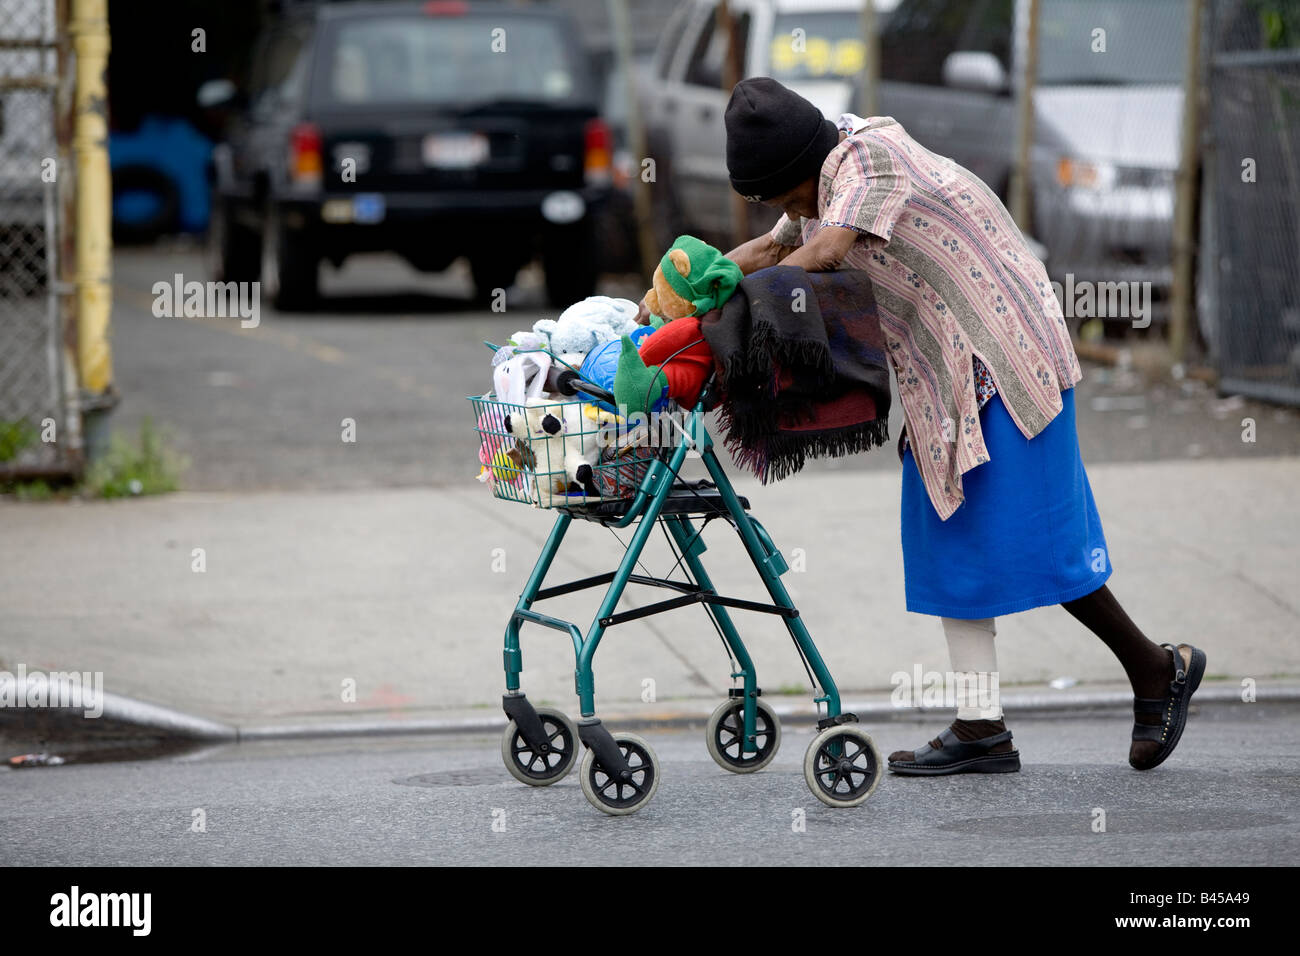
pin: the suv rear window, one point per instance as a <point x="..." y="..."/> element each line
<point x="426" y="59"/>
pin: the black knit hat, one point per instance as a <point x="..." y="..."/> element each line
<point x="776" y="139"/>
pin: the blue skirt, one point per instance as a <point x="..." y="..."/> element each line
<point x="1027" y="535"/>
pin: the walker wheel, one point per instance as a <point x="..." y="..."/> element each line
<point x="621" y="797"/>
<point x="541" y="768"/>
<point x="842" y="767"/>
<point x="725" y="729"/>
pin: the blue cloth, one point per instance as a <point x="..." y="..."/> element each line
<point x="1027" y="535"/>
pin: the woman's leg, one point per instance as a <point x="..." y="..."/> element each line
<point x="1145" y="662"/>
<point x="971" y="652"/>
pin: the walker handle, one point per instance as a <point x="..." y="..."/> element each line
<point x="568" y="382"/>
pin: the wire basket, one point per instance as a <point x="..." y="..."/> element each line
<point x="541" y="461"/>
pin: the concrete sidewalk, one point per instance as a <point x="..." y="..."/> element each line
<point x="403" y="595"/>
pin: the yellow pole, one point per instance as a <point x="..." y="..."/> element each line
<point x="93" y="275"/>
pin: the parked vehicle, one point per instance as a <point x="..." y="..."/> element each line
<point x="1105" y="141"/>
<point x="616" y="226"/>
<point x="684" y="111"/>
<point x="159" y="179"/>
<point x="432" y="130"/>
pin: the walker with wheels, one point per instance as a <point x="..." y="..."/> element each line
<point x="636" y="484"/>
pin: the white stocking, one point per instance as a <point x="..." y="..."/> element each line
<point x="975" y="662"/>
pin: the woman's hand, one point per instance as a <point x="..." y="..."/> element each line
<point x="758" y="253"/>
<point x="825" y="251"/>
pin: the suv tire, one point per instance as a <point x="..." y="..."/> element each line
<point x="290" y="266"/>
<point x="234" y="251"/>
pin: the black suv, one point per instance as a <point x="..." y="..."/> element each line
<point x="433" y="130"/>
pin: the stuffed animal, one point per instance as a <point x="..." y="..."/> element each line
<point x="542" y="431"/>
<point x="581" y="448"/>
<point x="521" y="377"/>
<point x="498" y="461"/>
<point x="522" y="341"/>
<point x="505" y="465"/>
<point x="584" y="325"/>
<point x="692" y="278"/>
<point x="489" y="430"/>
<point x="672" y="364"/>
<point x="589" y="432"/>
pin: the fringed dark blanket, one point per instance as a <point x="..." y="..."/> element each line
<point x="803" y="366"/>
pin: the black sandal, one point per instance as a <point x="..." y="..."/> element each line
<point x="1172" y="707"/>
<point x="959" y="756"/>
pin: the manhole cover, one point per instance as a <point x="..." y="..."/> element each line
<point x="473" y="777"/>
<point x="1117" y="821"/>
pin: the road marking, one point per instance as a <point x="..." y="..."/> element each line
<point x="325" y="353"/>
<point x="328" y="354"/>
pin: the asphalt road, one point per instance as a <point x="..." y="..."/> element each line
<point x="1228" y="796"/>
<point x="397" y="352"/>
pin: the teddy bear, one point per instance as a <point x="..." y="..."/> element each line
<point x="584" y="325"/>
<point x="674" y="362"/>
<point x="673" y="293"/>
<point x="585" y="427"/>
<point x="542" y="432"/>
<point x="562" y="451"/>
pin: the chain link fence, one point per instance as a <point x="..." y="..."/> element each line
<point x="31" y="364"/>
<point x="1251" y="239"/>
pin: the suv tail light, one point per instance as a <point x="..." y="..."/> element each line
<point x="305" y="164"/>
<point x="598" y="157"/>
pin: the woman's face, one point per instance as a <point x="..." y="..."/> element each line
<point x="800" y="202"/>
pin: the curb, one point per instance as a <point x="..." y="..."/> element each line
<point x="118" y="715"/>
<point x="152" y="720"/>
<point x="1033" y="703"/>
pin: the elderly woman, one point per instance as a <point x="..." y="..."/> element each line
<point x="997" y="513"/>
